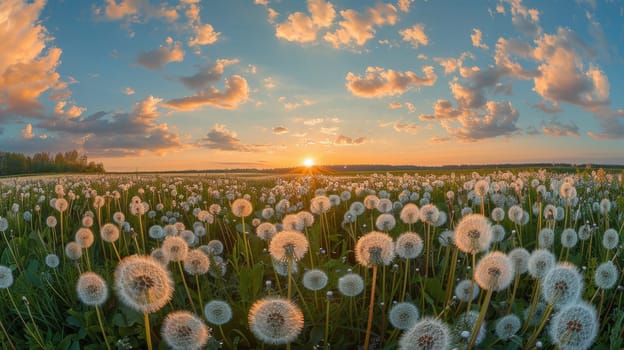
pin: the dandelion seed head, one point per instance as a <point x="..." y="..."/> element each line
<point x="374" y="248"/>
<point x="498" y="214"/>
<point x="175" y="247"/>
<point x="507" y="326"/>
<point x="520" y="260"/>
<point x="385" y="222"/>
<point x="463" y="290"/>
<point x="143" y="284"/>
<point x="196" y="262"/>
<point x="409" y="245"/>
<point x="218" y="312"/>
<point x="546" y="238"/>
<point x="73" y="251"/>
<point x="52" y="260"/>
<point x="426" y="334"/>
<point x="275" y="320"/>
<point x="494" y="271"/>
<point x="92" y="289"/>
<point x="293" y="222"/>
<point x="403" y="315"/>
<point x="51" y="221"/>
<point x="84" y="237"/>
<point x="6" y="277"/>
<point x="159" y="255"/>
<point x="610" y="239"/>
<point x="410" y="213"/>
<point x="351" y="284"/>
<point x="575" y="326"/>
<point x="606" y="275"/>
<point x="315" y="279"/>
<point x="156" y="232"/>
<point x="287" y="245"/>
<point x="241" y="207"/>
<point x="216" y="246"/>
<point x="429" y="214"/>
<point x="466" y="322"/>
<point x="562" y="285"/>
<point x="109" y="232"/>
<point x="182" y="330"/>
<point x="473" y="234"/>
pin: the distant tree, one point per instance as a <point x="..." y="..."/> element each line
<point x="43" y="162"/>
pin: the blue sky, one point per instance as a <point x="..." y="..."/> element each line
<point x="177" y="85"/>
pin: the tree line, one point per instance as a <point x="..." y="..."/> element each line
<point x="43" y="162"/>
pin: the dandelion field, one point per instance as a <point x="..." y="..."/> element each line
<point x="493" y="259"/>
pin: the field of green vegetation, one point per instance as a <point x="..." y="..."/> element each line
<point x="447" y="259"/>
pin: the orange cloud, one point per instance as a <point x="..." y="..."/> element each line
<point x="27" y="70"/>
<point x="236" y="93"/>
<point x="476" y="38"/>
<point x="415" y="35"/>
<point x="379" y="82"/>
<point x="357" y="28"/>
<point x="204" y="35"/>
<point x="303" y="28"/>
<point x="158" y="58"/>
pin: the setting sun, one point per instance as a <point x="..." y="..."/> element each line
<point x="308" y="162"/>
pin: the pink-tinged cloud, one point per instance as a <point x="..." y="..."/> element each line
<point x="72" y="112"/>
<point x="278" y="130"/>
<point x="119" y="134"/>
<point x="222" y="139"/>
<point x="158" y="58"/>
<point x="132" y="8"/>
<point x="343" y="140"/>
<point x="27" y="132"/>
<point x="357" y="28"/>
<point x="204" y="35"/>
<point x="557" y="128"/>
<point x="128" y="91"/>
<point x="302" y="28"/>
<point x="546" y="108"/>
<point x="395" y="105"/>
<point x="236" y="93"/>
<point x="410" y="128"/>
<point x="298" y="28"/>
<point x="439" y="139"/>
<point x="476" y="37"/>
<point x="27" y="67"/>
<point x="526" y="20"/>
<point x="499" y="119"/>
<point x="452" y="64"/>
<point x="443" y="109"/>
<point x="208" y="74"/>
<point x="404" y="5"/>
<point x="379" y="82"/>
<point x="415" y="35"/>
<point x="563" y="76"/>
<point x="612" y="123"/>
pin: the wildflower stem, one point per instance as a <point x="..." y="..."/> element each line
<point x="326" y="338"/>
<point x="529" y="344"/>
<point x="513" y="292"/>
<point x="477" y="326"/>
<point x="371" y="307"/>
<point x="6" y="335"/>
<point x="186" y="289"/>
<point x="405" y="277"/>
<point x="148" y="336"/>
<point x="99" y="317"/>
<point x="534" y="300"/>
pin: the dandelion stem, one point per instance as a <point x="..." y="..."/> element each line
<point x="148" y="335"/>
<point x="188" y="293"/>
<point x="371" y="307"/>
<point x="326" y="338"/>
<point x="99" y="317"/>
<point x="6" y="335"/>
<point x="477" y="326"/>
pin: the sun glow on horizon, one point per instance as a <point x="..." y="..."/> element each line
<point x="308" y="162"/>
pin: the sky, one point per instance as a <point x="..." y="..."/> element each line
<point x="177" y="85"/>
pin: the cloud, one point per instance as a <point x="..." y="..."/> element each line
<point x="278" y="130"/>
<point x="303" y="28"/>
<point x="119" y="133"/>
<point x="379" y="82"/>
<point x="208" y="74"/>
<point x="395" y="105"/>
<point x="439" y="139"/>
<point x="357" y="28"/>
<point x="531" y="130"/>
<point x="333" y="130"/>
<point x="563" y="76"/>
<point x="315" y="121"/>
<point x="236" y="93"/>
<point x="134" y="8"/>
<point x="27" y="65"/>
<point x="27" y="132"/>
<point x="158" y="58"/>
<point x="554" y="127"/>
<point x="348" y="141"/>
<point x="452" y="64"/>
<point x="546" y="108"/>
<point x="415" y="35"/>
<point x="410" y="107"/>
<point x="443" y="109"/>
<point x="404" y="5"/>
<point x="612" y="123"/>
<point x="499" y="119"/>
<point x="72" y="112"/>
<point x="476" y="38"/>
<point x="406" y="127"/>
<point x="524" y="19"/>
<point x="220" y="138"/>
<point x="204" y="35"/>
<point x="289" y="106"/>
<point x="128" y="91"/>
